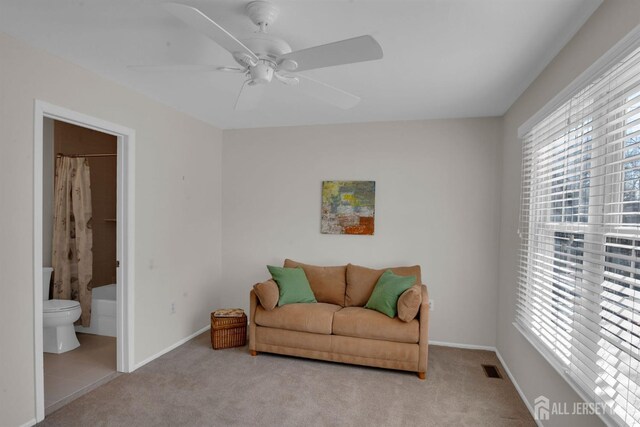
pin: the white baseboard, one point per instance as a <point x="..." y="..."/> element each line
<point x="519" y="390"/>
<point x="171" y="347"/>
<point x="467" y="346"/>
<point x="29" y="423"/>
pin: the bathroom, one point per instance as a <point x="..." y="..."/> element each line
<point x="79" y="260"/>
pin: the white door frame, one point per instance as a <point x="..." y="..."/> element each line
<point x="124" y="230"/>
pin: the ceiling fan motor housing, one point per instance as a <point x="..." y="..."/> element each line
<point x="266" y="46"/>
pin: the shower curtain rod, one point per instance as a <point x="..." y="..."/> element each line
<point x="86" y="155"/>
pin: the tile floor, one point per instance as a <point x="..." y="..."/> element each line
<point x="69" y="375"/>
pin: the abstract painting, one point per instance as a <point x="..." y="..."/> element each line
<point x="348" y="207"/>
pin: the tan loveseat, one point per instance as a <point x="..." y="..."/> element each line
<point x="338" y="328"/>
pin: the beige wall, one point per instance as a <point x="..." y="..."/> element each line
<point x="437" y="205"/>
<point x="178" y="216"/>
<point x="613" y="20"/>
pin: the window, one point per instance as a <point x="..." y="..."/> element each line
<point x="579" y="284"/>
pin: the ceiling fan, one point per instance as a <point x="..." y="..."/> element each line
<point x="263" y="57"/>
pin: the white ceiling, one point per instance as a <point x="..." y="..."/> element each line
<point x="442" y="58"/>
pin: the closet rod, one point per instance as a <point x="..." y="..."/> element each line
<point x="86" y="155"/>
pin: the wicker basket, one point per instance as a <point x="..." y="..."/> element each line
<point x="227" y="332"/>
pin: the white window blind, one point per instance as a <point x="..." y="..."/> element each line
<point x="579" y="268"/>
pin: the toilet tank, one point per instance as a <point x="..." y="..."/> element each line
<point x="46" y="278"/>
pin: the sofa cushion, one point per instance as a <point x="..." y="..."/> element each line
<point x="267" y="293"/>
<point x="314" y="318"/>
<point x="409" y="303"/>
<point x="328" y="283"/>
<point x="362" y="280"/>
<point x="364" y="323"/>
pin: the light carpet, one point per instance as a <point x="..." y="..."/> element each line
<point x="194" y="385"/>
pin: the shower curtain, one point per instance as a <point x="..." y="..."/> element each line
<point x="72" y="236"/>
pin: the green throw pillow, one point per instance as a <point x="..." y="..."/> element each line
<point x="387" y="291"/>
<point x="292" y="284"/>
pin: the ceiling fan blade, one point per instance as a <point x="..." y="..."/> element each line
<point x="286" y="79"/>
<point x="231" y="69"/>
<point x="249" y="96"/>
<point x="327" y="93"/>
<point x="357" y="49"/>
<point x="204" y="24"/>
<point x="174" y="68"/>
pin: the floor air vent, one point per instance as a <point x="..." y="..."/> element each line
<point x="491" y="371"/>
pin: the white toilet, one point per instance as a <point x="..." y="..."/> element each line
<point x="58" y="316"/>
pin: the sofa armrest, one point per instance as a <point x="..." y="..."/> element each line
<point x="424" y="331"/>
<point x="253" y="304"/>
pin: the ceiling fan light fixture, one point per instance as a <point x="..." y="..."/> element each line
<point x="261" y="73"/>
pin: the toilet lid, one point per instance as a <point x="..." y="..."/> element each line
<point x="54" y="305"/>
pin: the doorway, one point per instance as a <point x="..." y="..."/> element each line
<point x="70" y="373"/>
<point x="113" y="154"/>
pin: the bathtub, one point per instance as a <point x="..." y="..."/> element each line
<point x="103" y="312"/>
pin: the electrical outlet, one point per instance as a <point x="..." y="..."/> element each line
<point x="430" y="305"/>
<point x="173" y="308"/>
